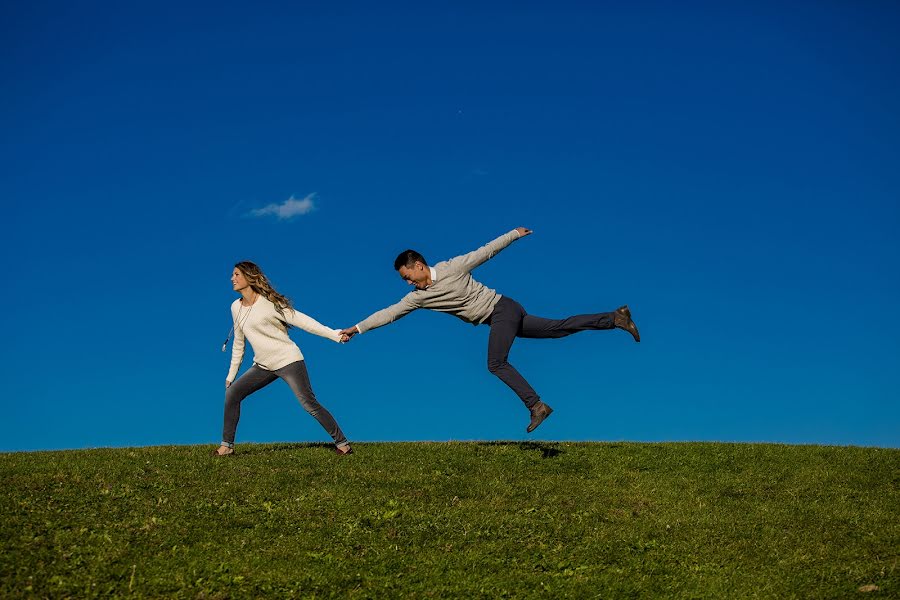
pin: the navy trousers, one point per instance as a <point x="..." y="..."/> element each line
<point x="509" y="321"/>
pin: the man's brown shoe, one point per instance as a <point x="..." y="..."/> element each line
<point x="539" y="412"/>
<point x="623" y="320"/>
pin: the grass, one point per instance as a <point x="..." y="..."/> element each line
<point x="467" y="520"/>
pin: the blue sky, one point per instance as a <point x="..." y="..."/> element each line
<point x="731" y="172"/>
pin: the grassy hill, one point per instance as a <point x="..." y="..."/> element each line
<point x="467" y="520"/>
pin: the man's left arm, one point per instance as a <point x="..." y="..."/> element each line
<point x="467" y="262"/>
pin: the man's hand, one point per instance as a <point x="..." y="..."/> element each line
<point x="523" y="231"/>
<point x="348" y="333"/>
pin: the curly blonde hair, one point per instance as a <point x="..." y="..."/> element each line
<point x="260" y="284"/>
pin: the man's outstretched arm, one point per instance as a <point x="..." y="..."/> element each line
<point x="383" y="317"/>
<point x="467" y="262"/>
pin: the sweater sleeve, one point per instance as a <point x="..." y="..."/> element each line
<point x="237" y="353"/>
<point x="307" y="323"/>
<point x="390" y="314"/>
<point x="467" y="262"/>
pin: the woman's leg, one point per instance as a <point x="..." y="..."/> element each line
<point x="297" y="378"/>
<point x="254" y="379"/>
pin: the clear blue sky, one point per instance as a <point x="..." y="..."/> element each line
<point x="732" y="173"/>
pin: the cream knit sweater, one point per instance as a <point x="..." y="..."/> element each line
<point x="266" y="330"/>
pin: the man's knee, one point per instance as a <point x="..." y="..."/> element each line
<point x="494" y="365"/>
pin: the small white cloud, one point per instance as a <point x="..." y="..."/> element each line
<point x="288" y="209"/>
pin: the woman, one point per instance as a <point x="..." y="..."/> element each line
<point x="263" y="316"/>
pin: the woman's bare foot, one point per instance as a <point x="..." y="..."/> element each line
<point x="343" y="450"/>
<point x="223" y="451"/>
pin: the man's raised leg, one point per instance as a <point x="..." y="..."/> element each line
<point x="539" y="327"/>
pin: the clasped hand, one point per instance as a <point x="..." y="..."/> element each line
<point x="348" y="333"/>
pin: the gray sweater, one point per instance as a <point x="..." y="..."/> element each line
<point x="453" y="291"/>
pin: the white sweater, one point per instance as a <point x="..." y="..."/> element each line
<point x="267" y="332"/>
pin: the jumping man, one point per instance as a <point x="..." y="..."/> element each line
<point x="449" y="287"/>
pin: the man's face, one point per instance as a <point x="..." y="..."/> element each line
<point x="417" y="275"/>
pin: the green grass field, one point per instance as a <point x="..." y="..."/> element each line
<point x="466" y="520"/>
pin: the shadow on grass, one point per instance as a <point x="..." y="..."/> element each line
<point x="251" y="449"/>
<point x="547" y="450"/>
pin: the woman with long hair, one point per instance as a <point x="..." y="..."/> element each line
<point x="262" y="316"/>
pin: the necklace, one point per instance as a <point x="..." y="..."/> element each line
<point x="239" y="322"/>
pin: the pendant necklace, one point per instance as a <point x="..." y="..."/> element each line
<point x="239" y="322"/>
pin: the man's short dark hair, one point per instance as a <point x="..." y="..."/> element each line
<point x="408" y="258"/>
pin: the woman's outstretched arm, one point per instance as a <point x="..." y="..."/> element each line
<point x="307" y="323"/>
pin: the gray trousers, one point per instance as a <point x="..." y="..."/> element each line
<point x="509" y="321"/>
<point x="256" y="378"/>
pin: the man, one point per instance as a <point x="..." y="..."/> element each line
<point x="449" y="287"/>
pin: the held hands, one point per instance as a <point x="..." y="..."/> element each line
<point x="348" y="333"/>
<point x="523" y="231"/>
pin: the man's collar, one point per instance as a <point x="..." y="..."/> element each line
<point x="433" y="275"/>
